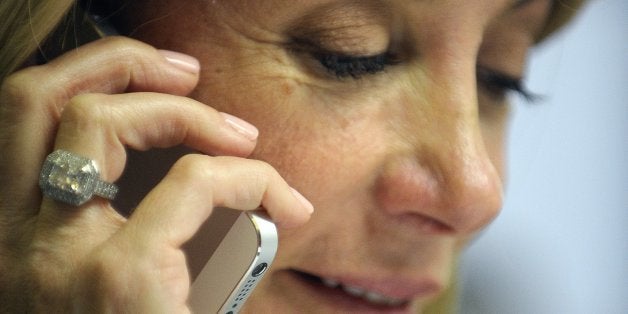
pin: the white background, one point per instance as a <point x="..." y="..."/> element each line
<point x="561" y="242"/>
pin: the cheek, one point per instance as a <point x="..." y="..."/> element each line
<point x="494" y="127"/>
<point x="314" y="140"/>
<point x="495" y="148"/>
<point x="325" y="154"/>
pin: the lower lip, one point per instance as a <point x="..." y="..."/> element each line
<point x="339" y="301"/>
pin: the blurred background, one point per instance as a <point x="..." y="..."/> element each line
<point x="561" y="242"/>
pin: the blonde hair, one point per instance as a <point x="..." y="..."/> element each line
<point x="26" y="25"/>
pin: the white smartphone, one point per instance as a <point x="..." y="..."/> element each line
<point x="233" y="249"/>
<point x="223" y="277"/>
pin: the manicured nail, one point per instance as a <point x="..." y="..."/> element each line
<point x="303" y="200"/>
<point x="244" y="128"/>
<point x="182" y="61"/>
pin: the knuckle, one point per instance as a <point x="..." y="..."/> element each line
<point x="247" y="182"/>
<point x="44" y="270"/>
<point x="264" y="172"/>
<point x="233" y="181"/>
<point x="132" y="56"/>
<point x="102" y="265"/>
<point x="119" y="46"/>
<point x="24" y="88"/>
<point x="128" y="51"/>
<point x="258" y="171"/>
<point x="117" y="41"/>
<point x="123" y="43"/>
<point x="84" y="110"/>
<point x="192" y="167"/>
<point x="102" y="274"/>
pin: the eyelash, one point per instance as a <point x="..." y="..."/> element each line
<point x="499" y="84"/>
<point x="343" y="66"/>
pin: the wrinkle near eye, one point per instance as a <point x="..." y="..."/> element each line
<point x="358" y="28"/>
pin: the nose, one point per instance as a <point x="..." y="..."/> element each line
<point x="441" y="174"/>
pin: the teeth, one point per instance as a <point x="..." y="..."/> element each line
<point x="330" y="283"/>
<point x="377" y="298"/>
<point x="372" y="297"/>
<point x="354" y="291"/>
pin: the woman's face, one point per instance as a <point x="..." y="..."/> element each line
<point x="389" y="116"/>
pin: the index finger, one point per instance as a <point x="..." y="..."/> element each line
<point x="176" y="208"/>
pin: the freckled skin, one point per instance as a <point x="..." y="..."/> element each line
<point x="403" y="167"/>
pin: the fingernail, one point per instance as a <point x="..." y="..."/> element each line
<point x="244" y="128"/>
<point x="308" y="206"/>
<point x="182" y="61"/>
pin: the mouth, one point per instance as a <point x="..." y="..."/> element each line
<point x="365" y="296"/>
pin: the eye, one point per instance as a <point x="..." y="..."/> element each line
<point x="498" y="84"/>
<point x="343" y="65"/>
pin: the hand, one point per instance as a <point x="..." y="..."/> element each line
<point x="94" y="102"/>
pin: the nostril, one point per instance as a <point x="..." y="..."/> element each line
<point x="461" y="198"/>
<point x="434" y="226"/>
<point x="427" y="224"/>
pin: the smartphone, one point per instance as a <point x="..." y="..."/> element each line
<point x="233" y="249"/>
<point x="224" y="277"/>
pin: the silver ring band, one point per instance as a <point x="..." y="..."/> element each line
<point x="73" y="179"/>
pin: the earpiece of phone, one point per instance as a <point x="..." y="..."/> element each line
<point x="233" y="249"/>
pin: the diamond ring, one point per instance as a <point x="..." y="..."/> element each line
<point x="73" y="179"/>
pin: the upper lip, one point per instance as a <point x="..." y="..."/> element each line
<point x="395" y="287"/>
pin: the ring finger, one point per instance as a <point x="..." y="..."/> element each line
<point x="32" y="100"/>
